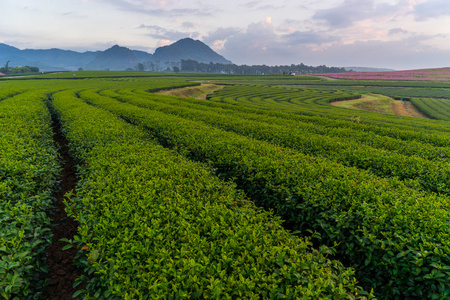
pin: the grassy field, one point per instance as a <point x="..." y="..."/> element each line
<point x="224" y="187"/>
<point x="198" y="92"/>
<point x="382" y="104"/>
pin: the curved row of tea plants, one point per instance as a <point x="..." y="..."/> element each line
<point x="299" y="101"/>
<point x="431" y="175"/>
<point x="28" y="173"/>
<point x="397" y="238"/>
<point x="395" y="92"/>
<point x="155" y="225"/>
<point x="434" y="108"/>
<point x="5" y="94"/>
<point x="266" y="97"/>
<point x="349" y="130"/>
<point x="431" y="132"/>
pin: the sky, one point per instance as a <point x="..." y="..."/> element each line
<point x="396" y="34"/>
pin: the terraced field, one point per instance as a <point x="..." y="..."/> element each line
<point x="256" y="192"/>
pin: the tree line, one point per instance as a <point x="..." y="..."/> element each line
<point x="18" y="70"/>
<point x="189" y="65"/>
<point x="194" y="66"/>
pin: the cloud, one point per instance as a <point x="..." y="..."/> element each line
<point x="307" y="37"/>
<point x="395" y="31"/>
<point x="159" y="8"/>
<point x="188" y="25"/>
<point x="408" y="53"/>
<point x="258" y="44"/>
<point x="161" y="33"/>
<point x="345" y="14"/>
<point x="431" y="9"/>
<point x="251" y="4"/>
<point x="352" y="11"/>
<point x="218" y="45"/>
<point x="220" y="34"/>
<point x="256" y="5"/>
<point x="262" y="43"/>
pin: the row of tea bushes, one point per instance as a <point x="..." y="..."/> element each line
<point x="8" y="93"/>
<point x="29" y="170"/>
<point x="431" y="176"/>
<point x="321" y="125"/>
<point x="434" y="108"/>
<point x="154" y="225"/>
<point x="397" y="238"/>
<point x="431" y="132"/>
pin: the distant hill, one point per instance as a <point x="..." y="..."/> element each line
<point x="46" y="60"/>
<point x="367" y="69"/>
<point x="189" y="49"/>
<point x="6" y="50"/>
<point x="118" y="58"/>
<point x="114" y="58"/>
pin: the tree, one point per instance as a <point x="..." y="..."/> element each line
<point x="18" y="70"/>
<point x="5" y="69"/>
<point x="189" y="65"/>
<point x="150" y="66"/>
<point x="140" y="67"/>
<point x="176" y="69"/>
<point x="24" y="70"/>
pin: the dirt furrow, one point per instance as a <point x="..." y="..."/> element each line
<point x="62" y="271"/>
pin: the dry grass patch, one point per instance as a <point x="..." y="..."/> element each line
<point x="381" y="104"/>
<point x="197" y="92"/>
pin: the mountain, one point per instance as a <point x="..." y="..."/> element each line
<point x="118" y="58"/>
<point x="8" y="50"/>
<point x="57" y="58"/>
<point x="189" y="49"/>
<point x="46" y="60"/>
<point x="114" y="58"/>
<point x="142" y="56"/>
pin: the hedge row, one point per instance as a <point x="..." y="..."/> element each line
<point x="28" y="174"/>
<point x="431" y="131"/>
<point x="397" y="238"/>
<point x="348" y="128"/>
<point x="431" y="176"/>
<point x="154" y="225"/>
<point x="434" y="108"/>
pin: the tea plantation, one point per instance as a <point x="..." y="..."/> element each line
<point x="258" y="192"/>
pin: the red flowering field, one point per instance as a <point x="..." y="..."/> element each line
<point x="441" y="74"/>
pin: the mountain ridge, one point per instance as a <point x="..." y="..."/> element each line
<point x="189" y="49"/>
<point x="113" y="58"/>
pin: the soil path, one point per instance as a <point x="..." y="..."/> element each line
<point x="406" y="108"/>
<point x="21" y="76"/>
<point x="326" y="77"/>
<point x="62" y="271"/>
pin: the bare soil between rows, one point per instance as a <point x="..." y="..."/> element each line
<point x="62" y="270"/>
<point x="406" y="108"/>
